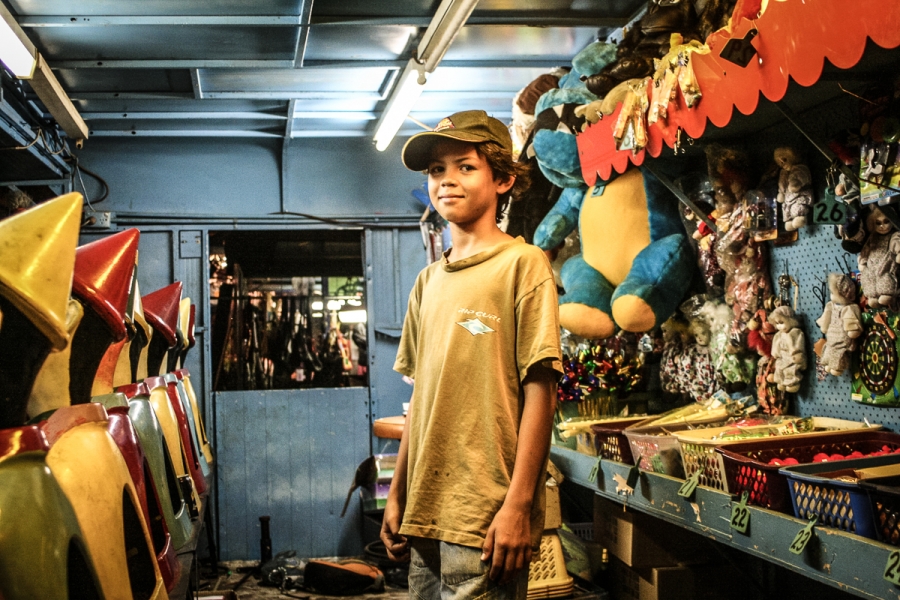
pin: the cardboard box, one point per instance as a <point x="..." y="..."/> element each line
<point x="639" y="540"/>
<point x="655" y="583"/>
<point x="695" y="582"/>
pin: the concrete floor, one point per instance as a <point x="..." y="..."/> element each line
<point x="240" y="576"/>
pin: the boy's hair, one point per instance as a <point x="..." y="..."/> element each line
<point x="503" y="167"/>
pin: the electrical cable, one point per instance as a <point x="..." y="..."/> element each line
<point x="78" y="169"/>
<point x="346" y="223"/>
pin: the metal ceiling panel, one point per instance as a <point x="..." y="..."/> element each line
<point x="154" y="7"/>
<point x="121" y="80"/>
<point x="230" y="67"/>
<point x="164" y="42"/>
<point x="366" y="82"/>
<point x="353" y="42"/>
<point x="493" y="42"/>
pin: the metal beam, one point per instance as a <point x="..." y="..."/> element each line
<point x="184" y="133"/>
<point x="288" y="94"/>
<point x="527" y="20"/>
<point x="78" y="96"/>
<point x="303" y="34"/>
<point x="289" y="125"/>
<point x="216" y="63"/>
<point x="168" y="20"/>
<point x="196" y="63"/>
<point x="246" y="115"/>
<point x="196" y="84"/>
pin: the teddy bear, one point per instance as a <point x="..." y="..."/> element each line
<point x="636" y="262"/>
<point x="878" y="260"/>
<point x="788" y="349"/>
<point x="794" y="188"/>
<point x="841" y="323"/>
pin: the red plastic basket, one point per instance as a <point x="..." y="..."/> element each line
<point x="747" y="468"/>
<point x="610" y="441"/>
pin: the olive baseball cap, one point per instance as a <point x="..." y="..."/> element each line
<point x="473" y="126"/>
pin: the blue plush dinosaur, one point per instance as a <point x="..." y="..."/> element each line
<point x="636" y="262"/>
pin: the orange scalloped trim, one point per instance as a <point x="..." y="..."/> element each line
<point x="795" y="38"/>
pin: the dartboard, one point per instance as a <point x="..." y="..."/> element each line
<point x="878" y="358"/>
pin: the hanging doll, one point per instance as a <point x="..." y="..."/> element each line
<point x="794" y="188"/>
<point x="788" y="349"/>
<point x="878" y="260"/>
<point x="759" y="339"/>
<point x="841" y="324"/>
<point x="671" y="373"/>
<point x="701" y="382"/>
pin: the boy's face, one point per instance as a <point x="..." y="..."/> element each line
<point x="461" y="184"/>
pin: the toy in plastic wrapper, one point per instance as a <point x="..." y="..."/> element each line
<point x="794" y="188"/>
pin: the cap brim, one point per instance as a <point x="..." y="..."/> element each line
<point x="416" y="153"/>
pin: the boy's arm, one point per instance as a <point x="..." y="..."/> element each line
<point x="508" y="541"/>
<point x="394" y="543"/>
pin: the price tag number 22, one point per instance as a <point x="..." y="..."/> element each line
<point x="892" y="568"/>
<point x="740" y="517"/>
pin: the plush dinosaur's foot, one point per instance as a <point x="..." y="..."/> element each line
<point x="586" y="321"/>
<point x="633" y="314"/>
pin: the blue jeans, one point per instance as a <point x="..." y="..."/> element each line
<point x="443" y="571"/>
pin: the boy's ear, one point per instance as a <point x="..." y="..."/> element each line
<point x="504" y="185"/>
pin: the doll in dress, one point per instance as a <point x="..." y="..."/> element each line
<point x="878" y="260"/>
<point x="841" y="324"/>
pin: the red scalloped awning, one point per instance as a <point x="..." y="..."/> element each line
<point x="794" y="39"/>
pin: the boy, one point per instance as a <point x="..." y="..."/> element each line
<point x="481" y="341"/>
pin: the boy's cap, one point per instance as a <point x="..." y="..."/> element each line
<point x="473" y="126"/>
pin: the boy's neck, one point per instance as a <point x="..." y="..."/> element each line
<point x="468" y="243"/>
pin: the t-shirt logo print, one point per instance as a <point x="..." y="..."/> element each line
<point x="475" y="327"/>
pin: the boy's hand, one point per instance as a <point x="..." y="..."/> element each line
<point x="508" y="543"/>
<point x="396" y="545"/>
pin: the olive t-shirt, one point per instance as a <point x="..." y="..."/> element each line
<point x="473" y="330"/>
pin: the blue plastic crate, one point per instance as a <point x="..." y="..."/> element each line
<point x="840" y="504"/>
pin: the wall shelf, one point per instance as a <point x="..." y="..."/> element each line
<point x="842" y="560"/>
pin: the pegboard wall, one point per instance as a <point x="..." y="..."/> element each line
<point x="816" y="253"/>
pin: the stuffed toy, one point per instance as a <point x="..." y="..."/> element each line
<point x="557" y="122"/>
<point x="733" y="369"/>
<point x="788" y="350"/>
<point x="636" y="262"/>
<point x="878" y="260"/>
<point x="794" y="188"/>
<point x="841" y="323"/>
<point x="742" y="259"/>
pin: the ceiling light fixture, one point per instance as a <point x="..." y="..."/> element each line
<point x="16" y="50"/>
<point x="25" y="62"/>
<point x="443" y="29"/>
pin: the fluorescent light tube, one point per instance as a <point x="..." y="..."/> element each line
<point x="403" y="98"/>
<point x="16" y="51"/>
<point x="446" y="24"/>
